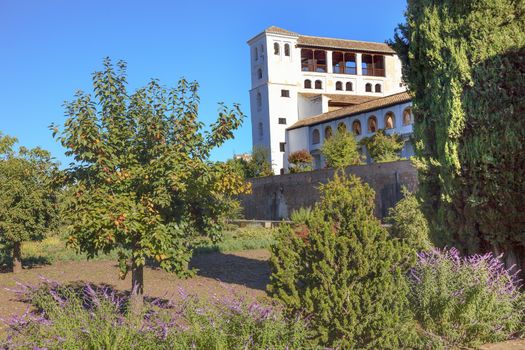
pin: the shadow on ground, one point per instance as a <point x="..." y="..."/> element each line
<point x="229" y="268"/>
<point x="27" y="263"/>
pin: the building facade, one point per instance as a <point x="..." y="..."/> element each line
<point x="303" y="86"/>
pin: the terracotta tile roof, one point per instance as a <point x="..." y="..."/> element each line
<point x="350" y="99"/>
<point x="371" y="105"/>
<point x="331" y="43"/>
<point x="342" y="99"/>
<point x="277" y="30"/>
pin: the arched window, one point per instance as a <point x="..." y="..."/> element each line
<point x="256" y="53"/>
<point x="372" y="124"/>
<point x="259" y="73"/>
<point x="349" y="86"/>
<point x="262" y="52"/>
<point x="339" y="85"/>
<point x="368" y="87"/>
<point x="356" y="127"/>
<point x="307" y="84"/>
<point x="259" y="100"/>
<point x="341" y="127"/>
<point x="316" y="136"/>
<point x="378" y="88"/>
<point x="287" y="50"/>
<point x="390" y="120"/>
<point x="276" y="49"/>
<point x="407" y="116"/>
<point x="318" y="84"/>
<point x="260" y="128"/>
<point x="327" y="132"/>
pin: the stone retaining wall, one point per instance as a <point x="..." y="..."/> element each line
<point x="275" y="197"/>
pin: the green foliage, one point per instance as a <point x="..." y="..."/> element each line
<point x="344" y="272"/>
<point x="141" y="183"/>
<point x="464" y="302"/>
<point x="464" y="64"/>
<point x="341" y="150"/>
<point x="28" y="195"/>
<point x="53" y="248"/>
<point x="90" y="317"/>
<point x="257" y="166"/>
<point x="409" y="224"/>
<point x="301" y="215"/>
<point x="300" y="161"/>
<point x="238" y="238"/>
<point x="382" y="147"/>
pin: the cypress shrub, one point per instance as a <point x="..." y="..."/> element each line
<point x="464" y="63"/>
<point x="344" y="272"/>
<point x="408" y="223"/>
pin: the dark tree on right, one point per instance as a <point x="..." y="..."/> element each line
<point x="464" y="63"/>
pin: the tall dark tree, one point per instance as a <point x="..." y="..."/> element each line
<point x="464" y="65"/>
<point x="141" y="180"/>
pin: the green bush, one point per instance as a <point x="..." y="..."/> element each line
<point x="300" y="161"/>
<point x="465" y="301"/>
<point x="238" y="238"/>
<point x="382" y="147"/>
<point x="91" y="317"/>
<point x="408" y="223"/>
<point x="341" y="150"/>
<point x="301" y="215"/>
<point x="258" y="164"/>
<point x="344" y="272"/>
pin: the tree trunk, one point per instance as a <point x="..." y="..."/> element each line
<point x="137" y="288"/>
<point x="514" y="259"/>
<point x="17" y="257"/>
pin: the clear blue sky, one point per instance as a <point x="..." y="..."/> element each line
<point x="49" y="48"/>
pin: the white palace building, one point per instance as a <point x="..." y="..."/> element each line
<point x="305" y="87"/>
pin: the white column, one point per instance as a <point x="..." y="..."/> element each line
<point x="358" y="63"/>
<point x="329" y="68"/>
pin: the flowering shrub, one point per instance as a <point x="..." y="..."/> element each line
<point x="465" y="301"/>
<point x="90" y="317"/>
<point x="300" y="161"/>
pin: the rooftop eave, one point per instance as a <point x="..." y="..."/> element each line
<point x="267" y="31"/>
<point x="303" y="124"/>
<point x="326" y="47"/>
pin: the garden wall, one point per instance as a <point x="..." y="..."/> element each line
<point x="275" y="197"/>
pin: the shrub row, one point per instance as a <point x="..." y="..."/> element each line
<point x="363" y="287"/>
<point x="91" y="317"/>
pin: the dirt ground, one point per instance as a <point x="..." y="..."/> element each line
<point x="243" y="273"/>
<point x="514" y="345"/>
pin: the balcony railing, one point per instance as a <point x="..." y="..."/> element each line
<point x="375" y="72"/>
<point x="344" y="70"/>
<point x="320" y="68"/>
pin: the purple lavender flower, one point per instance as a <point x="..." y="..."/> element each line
<point x="488" y="267"/>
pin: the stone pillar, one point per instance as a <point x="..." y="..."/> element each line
<point x="358" y="63"/>
<point x="329" y="66"/>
